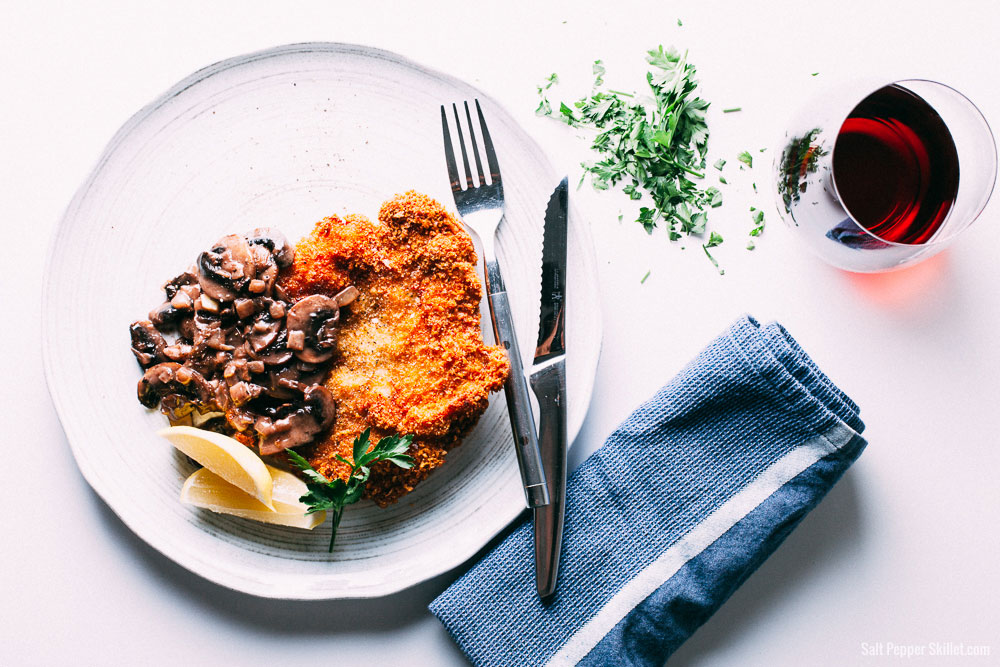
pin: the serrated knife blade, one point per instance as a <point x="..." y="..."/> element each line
<point x="548" y="381"/>
<point x="551" y="320"/>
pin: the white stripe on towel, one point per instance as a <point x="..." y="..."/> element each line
<point x="701" y="536"/>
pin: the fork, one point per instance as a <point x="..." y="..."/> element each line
<point x="481" y="208"/>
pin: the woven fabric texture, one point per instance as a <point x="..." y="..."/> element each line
<point x="751" y="406"/>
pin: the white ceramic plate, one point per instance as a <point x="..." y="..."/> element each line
<point x="283" y="138"/>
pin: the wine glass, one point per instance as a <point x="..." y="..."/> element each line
<point x="876" y="176"/>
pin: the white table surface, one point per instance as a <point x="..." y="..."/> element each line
<point x="905" y="549"/>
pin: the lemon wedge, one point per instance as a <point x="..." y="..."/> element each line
<point x="226" y="457"/>
<point x="207" y="490"/>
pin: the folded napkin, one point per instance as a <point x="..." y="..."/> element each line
<point x="681" y="504"/>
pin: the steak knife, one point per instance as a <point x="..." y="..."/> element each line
<point x="548" y="381"/>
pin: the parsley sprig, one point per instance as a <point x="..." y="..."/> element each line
<point x="325" y="494"/>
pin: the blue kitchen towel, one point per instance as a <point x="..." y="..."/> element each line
<point x="681" y="504"/>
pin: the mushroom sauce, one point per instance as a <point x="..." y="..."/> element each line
<point x="250" y="341"/>
<point x="230" y="351"/>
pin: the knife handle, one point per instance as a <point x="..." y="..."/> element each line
<point x="529" y="459"/>
<point x="549" y="385"/>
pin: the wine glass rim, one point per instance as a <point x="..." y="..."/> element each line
<point x="989" y="190"/>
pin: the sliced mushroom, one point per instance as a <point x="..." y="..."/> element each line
<point x="226" y="267"/>
<point x="316" y="317"/>
<point x="234" y="336"/>
<point x="147" y="343"/>
<point x="178" y="352"/>
<point x="172" y="286"/>
<point x="267" y="270"/>
<point x="275" y="354"/>
<point x="276" y="243"/>
<point x="291" y="426"/>
<point x="166" y="317"/>
<point x="186" y="328"/>
<point x="320" y="402"/>
<point x="278" y="380"/>
<point x="171" y="378"/>
<point x="263" y="332"/>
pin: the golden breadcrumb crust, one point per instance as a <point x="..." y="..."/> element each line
<point x="410" y="355"/>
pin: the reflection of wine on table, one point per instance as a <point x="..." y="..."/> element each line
<point x="895" y="166"/>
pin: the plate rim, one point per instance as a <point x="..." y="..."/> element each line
<point x="189" y="561"/>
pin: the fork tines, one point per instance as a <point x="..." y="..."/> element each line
<point x="449" y="151"/>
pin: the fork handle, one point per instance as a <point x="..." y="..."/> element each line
<point x="529" y="457"/>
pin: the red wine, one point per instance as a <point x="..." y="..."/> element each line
<point x="896" y="166"/>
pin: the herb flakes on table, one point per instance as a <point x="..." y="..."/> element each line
<point x="655" y="145"/>
<point x="758" y="221"/>
<point x="544" y="106"/>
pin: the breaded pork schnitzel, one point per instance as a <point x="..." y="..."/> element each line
<point x="410" y="356"/>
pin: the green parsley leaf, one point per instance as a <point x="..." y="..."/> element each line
<point x="719" y="164"/>
<point x="567" y="114"/>
<point x="746" y="159"/>
<point x="544" y="106"/>
<point x="722" y="179"/>
<point x="361" y="445"/>
<point x="333" y="495"/>
<point x="732" y="110"/>
<point x="304" y="466"/>
<point x="714" y="261"/>
<point x="714" y="239"/>
<point x="815" y="74"/>
<point x="758" y="222"/>
<point x="679" y="24"/>
<point x="598" y="73"/>
<point x="646" y="218"/>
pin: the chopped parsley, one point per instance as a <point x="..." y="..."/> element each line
<point x="654" y="146"/>
<point x="746" y="159"/>
<point x="544" y="107"/>
<point x="758" y="221"/>
<point x="732" y="110"/>
<point x="325" y="494"/>
<point x="714" y="239"/>
<point x="719" y="164"/>
<point x="599" y="73"/>
<point x="645" y="276"/>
